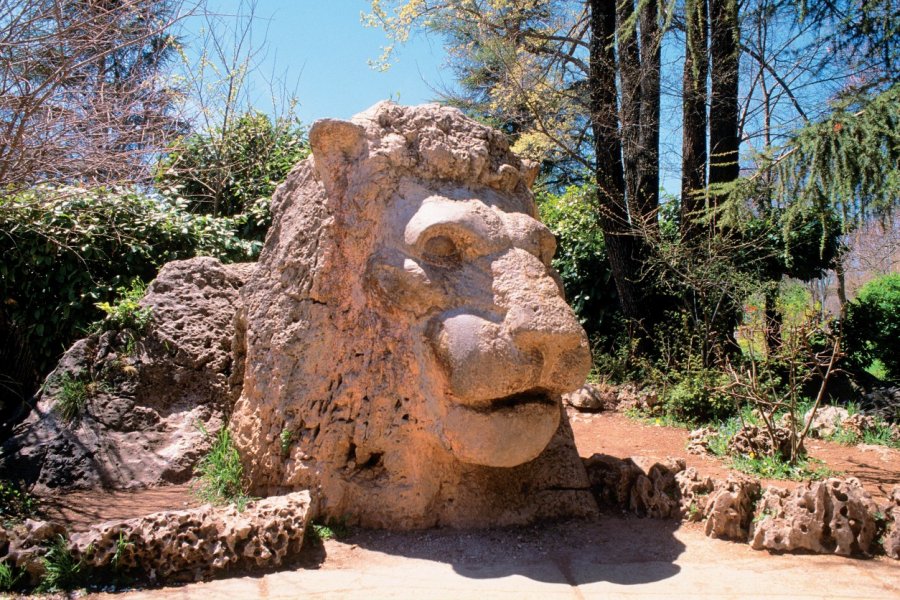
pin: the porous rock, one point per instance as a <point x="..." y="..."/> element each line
<point x="404" y="343"/>
<point x="640" y="485"/>
<point x="149" y="399"/>
<point x="832" y="516"/>
<point x="189" y="545"/>
<point x="892" y="515"/>
<point x="27" y="546"/>
<point x="751" y="440"/>
<point x="826" y="421"/>
<point x="698" y="440"/>
<point x="729" y="508"/>
<point x="593" y="397"/>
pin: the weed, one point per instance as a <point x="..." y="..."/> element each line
<point x="220" y="473"/>
<point x="770" y="467"/>
<point x="332" y="529"/>
<point x="761" y="516"/>
<point x="286" y="437"/>
<point x="122" y="546"/>
<point x="126" y="312"/>
<point x="72" y="396"/>
<point x="16" y="504"/>
<point x="9" y="576"/>
<point x="61" y="570"/>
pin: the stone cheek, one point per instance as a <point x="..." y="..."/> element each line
<point x="420" y="342"/>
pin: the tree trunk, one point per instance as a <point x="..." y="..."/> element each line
<point x="693" y="162"/>
<point x="648" y="166"/>
<point x="724" y="54"/>
<point x="630" y="116"/>
<point x="622" y="245"/>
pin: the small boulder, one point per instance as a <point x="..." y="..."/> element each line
<point x="592" y="397"/>
<point x="832" y="516"/>
<point x="827" y="420"/>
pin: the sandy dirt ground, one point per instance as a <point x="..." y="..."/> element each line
<point x="620" y="556"/>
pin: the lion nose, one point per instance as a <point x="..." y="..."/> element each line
<point x="542" y="324"/>
<point x="552" y="332"/>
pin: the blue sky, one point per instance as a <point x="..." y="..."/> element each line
<point x="323" y="47"/>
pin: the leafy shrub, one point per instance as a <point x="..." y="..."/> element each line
<point x="126" y="312"/>
<point x="696" y="395"/>
<point x="233" y="171"/>
<point x="66" y="250"/>
<point x="16" y="504"/>
<point x="581" y="259"/>
<point x="872" y="326"/>
<point x="220" y="473"/>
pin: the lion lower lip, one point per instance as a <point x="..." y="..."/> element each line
<point x="533" y="397"/>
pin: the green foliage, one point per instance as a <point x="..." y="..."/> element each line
<point x="233" y="171"/>
<point x="581" y="258"/>
<point x="872" y="326"/>
<point x="332" y="529"/>
<point x="696" y="395"/>
<point x="848" y="162"/>
<point x="71" y="397"/>
<point x="9" y="576"/>
<point x="61" y="570"/>
<point x="66" y="250"/>
<point x="126" y="312"/>
<point x="285" y="437"/>
<point x="773" y="467"/>
<point x="16" y="504"/>
<point x="220" y="473"/>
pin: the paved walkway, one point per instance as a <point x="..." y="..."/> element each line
<point x="618" y="557"/>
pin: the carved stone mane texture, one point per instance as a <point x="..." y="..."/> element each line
<point x="403" y="344"/>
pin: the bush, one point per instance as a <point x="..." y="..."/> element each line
<point x="872" y="326"/>
<point x="66" y="250"/>
<point x="233" y="171"/>
<point x="697" y="396"/>
<point x="581" y="260"/>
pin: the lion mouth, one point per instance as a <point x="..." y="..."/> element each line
<point x="529" y="398"/>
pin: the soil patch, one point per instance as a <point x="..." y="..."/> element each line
<point x="612" y="433"/>
<point x="78" y="510"/>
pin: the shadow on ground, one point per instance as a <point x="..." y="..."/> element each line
<point x="617" y="549"/>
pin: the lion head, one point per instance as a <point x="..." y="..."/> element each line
<point x="404" y="342"/>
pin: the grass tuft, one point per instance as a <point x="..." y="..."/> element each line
<point x="220" y="474"/>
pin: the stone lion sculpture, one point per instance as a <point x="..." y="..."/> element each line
<point x="404" y="342"/>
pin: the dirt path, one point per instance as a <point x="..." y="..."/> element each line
<point x="617" y="557"/>
<point x="877" y="467"/>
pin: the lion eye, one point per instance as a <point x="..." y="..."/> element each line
<point x="441" y="249"/>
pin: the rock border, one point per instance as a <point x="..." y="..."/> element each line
<point x="174" y="546"/>
<point x="834" y="516"/>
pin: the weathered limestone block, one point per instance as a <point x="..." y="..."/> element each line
<point x="698" y="440"/>
<point x="826" y="421"/>
<point x="639" y="485"/>
<point x="27" y="545"/>
<point x="143" y="398"/>
<point x="593" y="397"/>
<point x="729" y="508"/>
<point x="892" y="535"/>
<point x="832" y="516"/>
<point x="751" y="440"/>
<point x="404" y="343"/>
<point x="656" y="493"/>
<point x="189" y="545"/>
